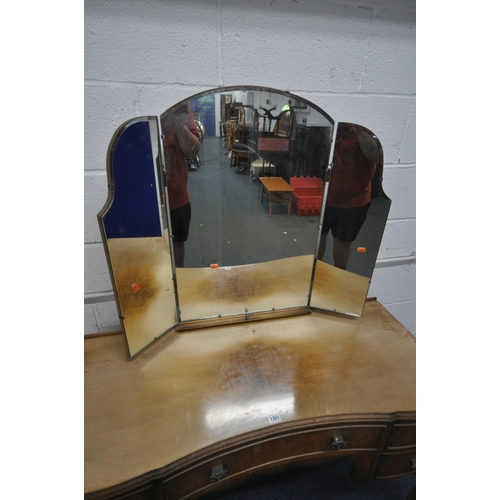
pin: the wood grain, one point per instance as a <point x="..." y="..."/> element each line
<point x="276" y="188"/>
<point x="190" y="391"/>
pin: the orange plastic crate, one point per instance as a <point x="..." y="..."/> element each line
<point x="306" y="205"/>
<point x="307" y="183"/>
<point x="306" y="211"/>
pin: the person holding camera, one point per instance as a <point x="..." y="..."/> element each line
<point x="348" y="199"/>
<point x="181" y="139"/>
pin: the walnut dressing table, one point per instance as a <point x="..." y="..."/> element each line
<point x="254" y="354"/>
<point x="203" y="410"/>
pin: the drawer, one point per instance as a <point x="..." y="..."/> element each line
<point x="273" y="452"/>
<point x="402" y="435"/>
<point x="396" y="464"/>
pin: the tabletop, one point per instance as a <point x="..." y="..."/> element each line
<point x="276" y="184"/>
<point x="194" y="389"/>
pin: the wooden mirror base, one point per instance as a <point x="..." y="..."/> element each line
<point x="241" y="318"/>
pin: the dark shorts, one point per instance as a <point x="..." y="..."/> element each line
<point x="344" y="223"/>
<point x="180" y="219"/>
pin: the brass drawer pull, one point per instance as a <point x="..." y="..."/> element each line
<point x="338" y="443"/>
<point x="218" y="473"/>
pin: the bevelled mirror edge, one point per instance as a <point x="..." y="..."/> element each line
<point x="137" y="254"/>
<point x="254" y="108"/>
<point x="356" y="195"/>
<point x="229" y="317"/>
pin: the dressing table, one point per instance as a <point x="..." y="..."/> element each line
<point x="192" y="415"/>
<point x="247" y="367"/>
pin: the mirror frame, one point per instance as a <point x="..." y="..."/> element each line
<point x="160" y="187"/>
<point x="271" y="311"/>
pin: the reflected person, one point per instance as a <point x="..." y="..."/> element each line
<point x="181" y="140"/>
<point x="355" y="159"/>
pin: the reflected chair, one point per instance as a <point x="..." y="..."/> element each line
<point x="284" y="122"/>
<point x="236" y="138"/>
<point x="274" y="147"/>
<point x="229" y="136"/>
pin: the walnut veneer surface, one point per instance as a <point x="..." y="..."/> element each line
<point x="248" y="398"/>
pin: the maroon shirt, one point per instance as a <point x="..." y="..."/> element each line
<point x="352" y="172"/>
<point x="177" y="170"/>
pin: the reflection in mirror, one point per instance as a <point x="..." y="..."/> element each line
<point x="249" y="135"/>
<point x="237" y="214"/>
<point x="136" y="248"/>
<point x="229" y="208"/>
<point x="356" y="209"/>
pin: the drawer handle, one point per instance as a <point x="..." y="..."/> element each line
<point x="338" y="443"/>
<point x="218" y="473"/>
<point x="414" y="465"/>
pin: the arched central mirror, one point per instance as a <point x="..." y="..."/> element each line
<point x="233" y="205"/>
<point x="244" y="241"/>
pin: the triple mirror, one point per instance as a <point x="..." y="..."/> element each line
<point x="240" y="204"/>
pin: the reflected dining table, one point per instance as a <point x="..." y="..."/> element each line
<point x="276" y="188"/>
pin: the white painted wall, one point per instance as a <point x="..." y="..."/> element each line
<point x="353" y="58"/>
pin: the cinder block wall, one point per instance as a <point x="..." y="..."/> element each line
<point x="355" y="59"/>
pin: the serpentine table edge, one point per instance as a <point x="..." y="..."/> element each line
<point x="189" y="416"/>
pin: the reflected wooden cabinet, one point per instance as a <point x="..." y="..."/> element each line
<point x="311" y="147"/>
<point x="196" y="414"/>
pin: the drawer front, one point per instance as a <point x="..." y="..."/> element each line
<point x="402" y="435"/>
<point x="396" y="464"/>
<point x="151" y="491"/>
<point x="273" y="452"/>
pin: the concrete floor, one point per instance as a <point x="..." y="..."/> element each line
<point x="230" y="226"/>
